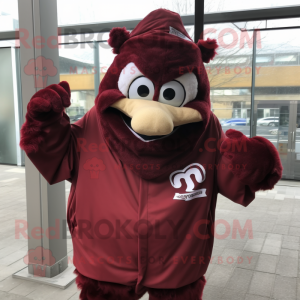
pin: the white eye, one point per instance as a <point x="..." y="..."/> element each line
<point x="172" y="93"/>
<point x="141" y="88"/>
<point x="179" y="91"/>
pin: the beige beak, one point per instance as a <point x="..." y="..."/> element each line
<point x="154" y="118"/>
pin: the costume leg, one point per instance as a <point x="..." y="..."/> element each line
<point x="98" y="290"/>
<point x="193" y="291"/>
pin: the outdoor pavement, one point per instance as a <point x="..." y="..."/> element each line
<point x="259" y="268"/>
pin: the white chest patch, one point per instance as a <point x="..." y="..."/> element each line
<point x="193" y="169"/>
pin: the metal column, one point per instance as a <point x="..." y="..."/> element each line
<point x="199" y="20"/>
<point x="97" y="67"/>
<point x="46" y="205"/>
<point x="253" y="110"/>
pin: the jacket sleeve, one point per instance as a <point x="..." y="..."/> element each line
<point x="47" y="136"/>
<point x="245" y="166"/>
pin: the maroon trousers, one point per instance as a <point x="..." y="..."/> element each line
<point x="97" y="290"/>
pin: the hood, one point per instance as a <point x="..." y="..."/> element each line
<point x="162" y="50"/>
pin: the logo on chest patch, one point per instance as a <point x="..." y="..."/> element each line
<point x="198" y="173"/>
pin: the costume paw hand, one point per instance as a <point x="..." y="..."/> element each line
<point x="53" y="98"/>
<point x="255" y="161"/>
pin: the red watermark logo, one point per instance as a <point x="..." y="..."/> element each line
<point x="119" y="229"/>
<point x="40" y="258"/>
<point x="40" y="68"/>
<point x="94" y="166"/>
<point x="228" y="38"/>
<point x="210" y="145"/>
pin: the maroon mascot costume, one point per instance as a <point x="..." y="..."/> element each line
<point x="146" y="164"/>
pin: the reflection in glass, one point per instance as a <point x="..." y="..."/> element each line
<point x="95" y="11"/>
<point x="230" y="76"/>
<point x="277" y="92"/>
<point x="8" y="143"/>
<point x="78" y="69"/>
<point x="9" y="19"/>
<point x="233" y="5"/>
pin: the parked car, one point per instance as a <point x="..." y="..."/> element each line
<point x="269" y="121"/>
<point x="235" y="122"/>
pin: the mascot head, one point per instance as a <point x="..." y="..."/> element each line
<point x="153" y="103"/>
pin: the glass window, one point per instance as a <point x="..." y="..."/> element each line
<point x="264" y="24"/>
<point x="8" y="144"/>
<point x="218" y="61"/>
<point x="106" y="57"/>
<point x="217" y="92"/>
<point x="249" y="25"/>
<point x="230" y="76"/>
<point x="234" y="5"/>
<point x="77" y="67"/>
<point x="10" y="43"/>
<point x="277" y="94"/>
<point x="286" y="58"/>
<point x="261" y="59"/>
<point x="9" y="19"/>
<point x="291" y="59"/>
<point x="283" y="22"/>
<point x="95" y="11"/>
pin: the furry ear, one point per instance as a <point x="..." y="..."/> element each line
<point x="117" y="37"/>
<point x="208" y="49"/>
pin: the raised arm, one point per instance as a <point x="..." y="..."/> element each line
<point x="47" y="136"/>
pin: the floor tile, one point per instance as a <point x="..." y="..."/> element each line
<point x="254" y="245"/>
<point x="294" y="231"/>
<point x="220" y="276"/>
<point x="240" y="280"/>
<point x="266" y="263"/>
<point x="254" y="297"/>
<point x="270" y="250"/>
<point x="249" y="260"/>
<point x="233" y="295"/>
<point x="262" y="284"/>
<point x="212" y="293"/>
<point x="287" y="266"/>
<point x="289" y="253"/>
<point x="285" y="288"/>
<point x="290" y="245"/>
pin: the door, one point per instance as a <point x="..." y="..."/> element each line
<point x="276" y="93"/>
<point x="282" y="129"/>
<point x="284" y="138"/>
<point x="295" y="140"/>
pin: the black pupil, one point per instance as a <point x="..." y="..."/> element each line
<point x="169" y="94"/>
<point x="143" y="91"/>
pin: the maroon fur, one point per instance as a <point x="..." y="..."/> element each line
<point x="117" y="37"/>
<point x="96" y="290"/>
<point x="193" y="291"/>
<point x="66" y="87"/>
<point x="208" y="49"/>
<point x="262" y="163"/>
<point x="46" y="106"/>
<point x="161" y="57"/>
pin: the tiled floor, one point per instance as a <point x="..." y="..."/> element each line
<point x="259" y="268"/>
